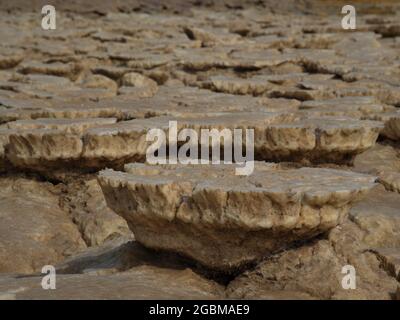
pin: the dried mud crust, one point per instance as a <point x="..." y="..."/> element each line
<point x="80" y="99"/>
<point x="200" y="212"/>
<point x="90" y="144"/>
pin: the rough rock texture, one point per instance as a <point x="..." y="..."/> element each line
<point x="281" y="137"/>
<point x="99" y="81"/>
<point x="165" y="208"/>
<point x="369" y="241"/>
<point x="355" y="107"/>
<point x="133" y="79"/>
<point x="316" y="269"/>
<point x="390" y="260"/>
<point x="87" y="207"/>
<point x="95" y="143"/>
<point x="379" y="216"/>
<point x="119" y="269"/>
<point x="145" y="282"/>
<point x="35" y="231"/>
<point x="81" y="98"/>
<point x="384" y="161"/>
<point x="392" y="124"/>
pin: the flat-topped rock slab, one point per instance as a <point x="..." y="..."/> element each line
<point x="68" y="125"/>
<point x="392" y="124"/>
<point x="354" y="107"/>
<point x="96" y="143"/>
<point x="225" y="221"/>
<point x="290" y="137"/>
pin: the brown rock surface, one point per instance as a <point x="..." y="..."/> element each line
<point x="35" y="231"/>
<point x="379" y="216"/>
<point x="87" y="208"/>
<point x="81" y="98"/>
<point x="94" y="143"/>
<point x="165" y="208"/>
<point x="381" y="160"/>
<point x="390" y="259"/>
<point x="144" y="282"/>
<point x="392" y="124"/>
<point x="316" y="269"/>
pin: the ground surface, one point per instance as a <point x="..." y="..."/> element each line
<point x="79" y="99"/>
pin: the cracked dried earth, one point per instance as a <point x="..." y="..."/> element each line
<point x="76" y="192"/>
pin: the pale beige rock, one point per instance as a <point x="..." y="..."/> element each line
<point x="258" y="84"/>
<point x="391" y="180"/>
<point x="392" y="124"/>
<point x="7" y="62"/>
<point x="137" y="85"/>
<point x="379" y="217"/>
<point x="253" y="86"/>
<point x="127" y="140"/>
<point x="56" y="69"/>
<point x="43" y="83"/>
<point x="120" y="143"/>
<point x="203" y="59"/>
<point x="128" y="93"/>
<point x="174" y="208"/>
<point x="145" y="282"/>
<point x="92" y="143"/>
<point x="316" y="269"/>
<point x="75" y="144"/>
<point x="35" y="231"/>
<point x="100" y="81"/>
<point x="314" y="89"/>
<point x="134" y="79"/>
<point x="261" y="58"/>
<point x="118" y="254"/>
<point x="76" y="126"/>
<point x="381" y="160"/>
<point x="267" y="294"/>
<point x="86" y="205"/>
<point x="105" y="36"/>
<point x="112" y="72"/>
<point x="211" y="37"/>
<point x="283" y="137"/>
<point x="378" y="159"/>
<point x="41" y="147"/>
<point x="279" y="104"/>
<point x="225" y="65"/>
<point x="42" y="142"/>
<point x="179" y="101"/>
<point x="61" y="110"/>
<point x="146" y="60"/>
<point x="355" y="107"/>
<point x="54" y="48"/>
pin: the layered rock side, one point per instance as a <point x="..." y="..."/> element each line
<point x="82" y="98"/>
<point x="174" y="208"/>
<point x="383" y="161"/>
<point x="95" y="143"/>
<point x="316" y="269"/>
<point x="368" y="241"/>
